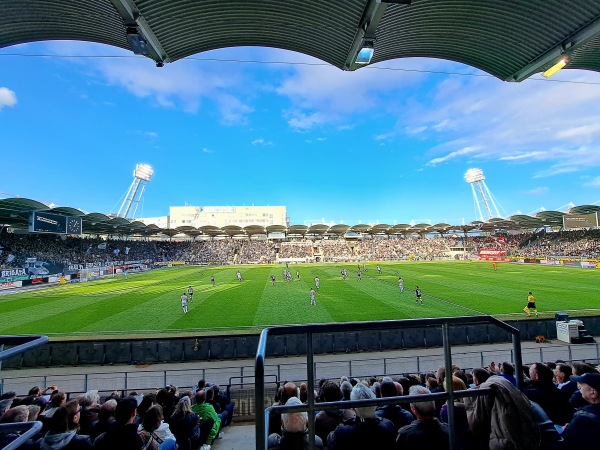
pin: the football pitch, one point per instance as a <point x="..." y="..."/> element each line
<point x="149" y="303"/>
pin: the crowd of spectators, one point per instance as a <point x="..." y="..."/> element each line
<point x="574" y="244"/>
<point x="15" y="249"/>
<point x="164" y="419"/>
<point x="558" y="409"/>
<point x="297" y="250"/>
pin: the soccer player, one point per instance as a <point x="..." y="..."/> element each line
<point x="273" y="280"/>
<point x="212" y="280"/>
<point x="495" y="266"/>
<point x="530" y="305"/>
<point x="184" y="303"/>
<point x="298" y="275"/>
<point x="191" y="294"/>
<point x="126" y="274"/>
<point x="317" y="283"/>
<point x="378" y="269"/>
<point x="419" y="295"/>
<point x="401" y="284"/>
<point x="239" y="275"/>
<point x="312" y="297"/>
<point x="358" y="275"/>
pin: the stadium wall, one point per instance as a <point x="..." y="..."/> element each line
<point x="205" y="348"/>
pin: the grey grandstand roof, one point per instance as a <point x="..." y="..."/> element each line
<point x="584" y="209"/>
<point x="297" y="229"/>
<point x="508" y="39"/>
<point x="254" y="229"/>
<point x="15" y="212"/>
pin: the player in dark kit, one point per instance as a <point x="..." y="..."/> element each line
<point x="191" y="294"/>
<point x="419" y="295"/>
<point x="212" y="280"/>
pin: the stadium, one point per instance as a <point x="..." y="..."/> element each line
<point x="231" y="317"/>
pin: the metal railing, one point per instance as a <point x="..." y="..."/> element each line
<point x="310" y="330"/>
<point x="28" y="430"/>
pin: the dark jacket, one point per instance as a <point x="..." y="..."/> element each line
<point x="359" y="434"/>
<point x="64" y="441"/>
<point x="583" y="432"/>
<point x="424" y="434"/>
<point x="548" y="396"/>
<point x="292" y="441"/>
<point x="123" y="437"/>
<point x="186" y="426"/>
<point x="399" y="416"/>
<point x="327" y="421"/>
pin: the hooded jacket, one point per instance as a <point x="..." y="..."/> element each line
<point x="505" y="420"/>
<point x="68" y="441"/>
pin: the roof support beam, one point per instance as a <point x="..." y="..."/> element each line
<point x="132" y="17"/>
<point x="564" y="48"/>
<point x="367" y="28"/>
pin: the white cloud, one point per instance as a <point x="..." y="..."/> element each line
<point x="523" y="156"/>
<point x="595" y="183"/>
<point x="454" y="155"/>
<point x="207" y="150"/>
<point x="323" y="95"/>
<point x="532" y="121"/>
<point x="261" y="142"/>
<point x="7" y="98"/>
<point x="181" y="85"/>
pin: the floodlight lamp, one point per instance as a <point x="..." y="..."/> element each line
<point x="366" y="53"/>
<point x="143" y="172"/>
<point x="474" y="175"/>
<point x="555" y="68"/>
<point x="137" y="42"/>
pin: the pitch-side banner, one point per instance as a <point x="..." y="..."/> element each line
<point x="576" y="221"/>
<point x="484" y="253"/>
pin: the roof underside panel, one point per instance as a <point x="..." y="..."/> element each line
<point x="321" y="29"/>
<point x="497" y="37"/>
<point x="42" y="20"/>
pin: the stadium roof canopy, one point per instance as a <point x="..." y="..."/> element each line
<point x="15" y="212"/>
<point x="509" y="39"/>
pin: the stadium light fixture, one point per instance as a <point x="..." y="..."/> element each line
<point x="143" y="172"/>
<point x="555" y="68"/>
<point x="366" y="53"/>
<point x="137" y="42"/>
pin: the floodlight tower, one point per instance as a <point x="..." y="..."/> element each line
<point x="475" y="178"/>
<point x="141" y="176"/>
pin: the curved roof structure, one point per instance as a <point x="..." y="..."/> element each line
<point x="15" y="212"/>
<point x="509" y="39"/>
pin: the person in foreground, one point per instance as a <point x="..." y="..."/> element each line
<point x="583" y="432"/>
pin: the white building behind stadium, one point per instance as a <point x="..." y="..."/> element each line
<point x="220" y="216"/>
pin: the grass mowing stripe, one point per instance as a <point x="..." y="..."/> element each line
<point x="150" y="301"/>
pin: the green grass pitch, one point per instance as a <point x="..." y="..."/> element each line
<point x="148" y="303"/>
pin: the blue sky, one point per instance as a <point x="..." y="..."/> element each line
<point x="371" y="146"/>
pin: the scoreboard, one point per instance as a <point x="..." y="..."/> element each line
<point x="44" y="222"/>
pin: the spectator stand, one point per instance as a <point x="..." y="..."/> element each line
<point x="308" y="332"/>
<point x="17" y="345"/>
